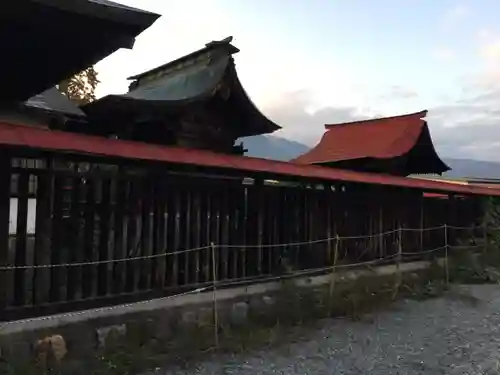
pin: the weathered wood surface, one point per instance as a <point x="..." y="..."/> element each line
<point x="100" y="215"/>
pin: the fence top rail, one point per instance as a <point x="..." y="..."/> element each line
<point x="58" y="141"/>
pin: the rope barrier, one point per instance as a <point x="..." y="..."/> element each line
<point x="230" y="283"/>
<point x="230" y="246"/>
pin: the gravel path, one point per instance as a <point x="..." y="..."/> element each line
<point x="441" y="336"/>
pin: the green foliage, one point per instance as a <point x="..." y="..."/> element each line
<point x="81" y="87"/>
<point x="491" y="220"/>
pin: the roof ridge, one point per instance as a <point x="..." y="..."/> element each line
<point x="419" y="114"/>
<point x="214" y="44"/>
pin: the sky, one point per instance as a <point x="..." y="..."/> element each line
<point x="306" y="63"/>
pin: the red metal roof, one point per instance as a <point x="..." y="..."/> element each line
<point x="50" y="140"/>
<point x="375" y="138"/>
<point x="482" y="184"/>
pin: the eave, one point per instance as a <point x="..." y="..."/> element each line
<point x="50" y="40"/>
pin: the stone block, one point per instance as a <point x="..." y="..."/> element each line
<point x="269" y="301"/>
<point x="205" y="316"/>
<point x="110" y="333"/>
<point x="189" y="317"/>
<point x="239" y="313"/>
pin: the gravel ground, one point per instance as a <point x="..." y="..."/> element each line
<point x="449" y="335"/>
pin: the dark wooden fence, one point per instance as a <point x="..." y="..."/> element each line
<point x="90" y="232"/>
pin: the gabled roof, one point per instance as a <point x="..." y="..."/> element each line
<point x="46" y="41"/>
<point x="47" y="140"/>
<point x="381" y="138"/>
<point x="193" y="78"/>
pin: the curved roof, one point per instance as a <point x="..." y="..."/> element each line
<point x="47" y="41"/>
<point x="196" y="81"/>
<point x="193" y="78"/>
<point x="381" y="138"/>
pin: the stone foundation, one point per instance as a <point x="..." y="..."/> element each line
<point x="186" y="323"/>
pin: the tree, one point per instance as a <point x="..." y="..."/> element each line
<point x="81" y="87"/>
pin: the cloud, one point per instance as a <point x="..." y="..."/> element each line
<point x="488" y="51"/>
<point x="454" y="16"/>
<point x="399" y="92"/>
<point x="483" y="34"/>
<point x="489" y="45"/>
<point x="444" y="54"/>
<point x="300" y="124"/>
<point x="469" y="127"/>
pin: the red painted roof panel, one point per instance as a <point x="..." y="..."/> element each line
<point x="375" y="138"/>
<point x="39" y="138"/>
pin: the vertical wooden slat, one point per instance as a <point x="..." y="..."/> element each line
<point x="216" y="225"/>
<point x="146" y="240"/>
<point x="251" y="256"/>
<point x="156" y="246"/>
<point x="105" y="212"/>
<point x="75" y="256"/>
<point x="206" y="254"/>
<point x="133" y="235"/>
<point x="163" y="235"/>
<point x="119" y="228"/>
<point x="21" y="236"/>
<point x="380" y="229"/>
<point x="264" y="229"/>
<point x="88" y="277"/>
<point x="177" y="234"/>
<point x="219" y="199"/>
<point x="233" y="231"/>
<point x="307" y="208"/>
<point x="43" y="225"/>
<point x="329" y="232"/>
<point x="186" y="257"/>
<point x="174" y="206"/>
<point x="285" y="223"/>
<point x="260" y="223"/>
<point x="243" y="222"/>
<point x="58" y="232"/>
<point x="5" y="181"/>
<point x="227" y="254"/>
<point x="212" y="205"/>
<point x="298" y="226"/>
<point x="271" y="237"/>
<point x="169" y="194"/>
<point x="275" y="209"/>
<point x="197" y="232"/>
<point x="452" y="219"/>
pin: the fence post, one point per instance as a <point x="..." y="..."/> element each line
<point x="333" y="276"/>
<point x="216" y="314"/>
<point x="398" y="263"/>
<point x="485" y="239"/>
<point x="446" y="270"/>
<point x="5" y="171"/>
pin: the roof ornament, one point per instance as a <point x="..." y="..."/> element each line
<point x="226" y="40"/>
